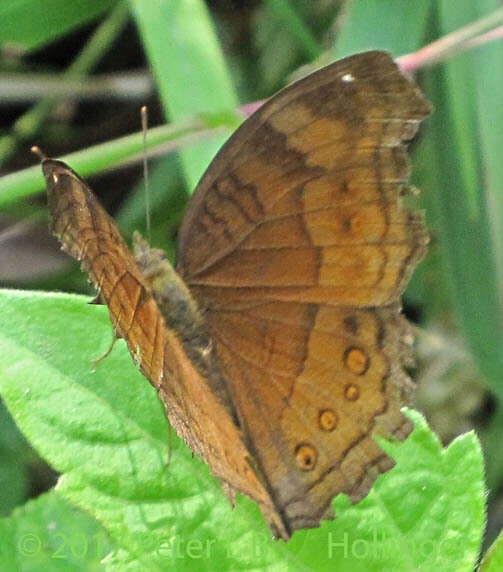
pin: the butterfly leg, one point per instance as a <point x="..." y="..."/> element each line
<point x="107" y="353"/>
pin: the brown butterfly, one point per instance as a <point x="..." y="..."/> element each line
<point x="277" y="346"/>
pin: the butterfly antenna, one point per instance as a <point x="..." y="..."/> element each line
<point x="170" y="444"/>
<point x="36" y="149"/>
<point x="144" y="126"/>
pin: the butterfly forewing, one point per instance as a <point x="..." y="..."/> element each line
<point x="199" y="412"/>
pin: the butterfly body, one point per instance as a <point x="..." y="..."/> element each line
<point x="278" y="345"/>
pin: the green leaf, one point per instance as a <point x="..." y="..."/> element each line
<point x="397" y="26"/>
<point x="427" y="514"/>
<point x="286" y="35"/>
<point x="31" y="24"/>
<point x="465" y="194"/>
<point x="50" y="534"/>
<point x="493" y="560"/>
<point x="489" y="86"/>
<point x="106" y="432"/>
<point x="75" y="416"/>
<point x="293" y="23"/>
<point x="14" y="455"/>
<point x="188" y="67"/>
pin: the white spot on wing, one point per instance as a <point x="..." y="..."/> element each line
<point x="347" y="77"/>
<point x="55" y="177"/>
